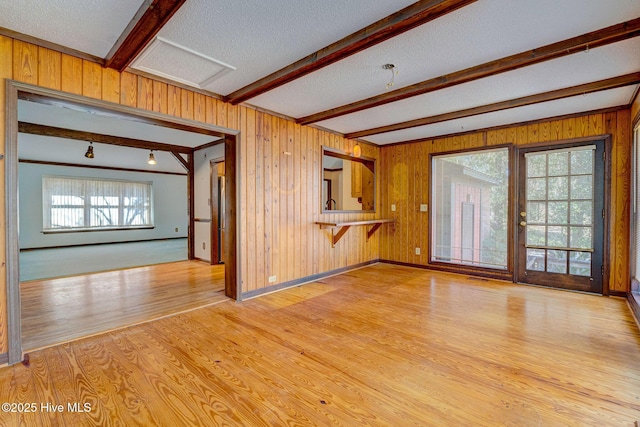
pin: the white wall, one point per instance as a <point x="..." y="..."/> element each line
<point x="202" y="196"/>
<point x="169" y="197"/>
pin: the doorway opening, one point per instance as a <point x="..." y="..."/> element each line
<point x="561" y="217"/>
<point x="102" y="112"/>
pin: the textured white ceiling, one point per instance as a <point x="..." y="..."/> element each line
<point x="32" y="112"/>
<point x="259" y="37"/>
<point x="43" y="148"/>
<point x="593" y="101"/>
<point x="584" y="67"/>
<point x="483" y="31"/>
<point x="90" y="26"/>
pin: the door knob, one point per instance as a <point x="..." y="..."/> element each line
<point x="523" y="223"/>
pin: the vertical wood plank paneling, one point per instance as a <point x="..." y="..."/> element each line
<point x="258" y="143"/>
<point x="568" y="128"/>
<point x="6" y="72"/>
<point x="25" y="62"/>
<point x="248" y="198"/>
<point x="49" y="68"/>
<point x="619" y="124"/>
<point x="544" y="131"/>
<point x="71" y="75"/>
<point x="297" y="201"/>
<point x="186" y="104"/>
<point x="174" y="97"/>
<point x="242" y="213"/>
<point x="160" y="102"/>
<point x="533" y="133"/>
<point x="267" y="193"/>
<point x="317" y="190"/>
<point x="129" y="89"/>
<point x="290" y="193"/>
<point x="582" y="126"/>
<point x="110" y="85"/>
<point x="275" y="197"/>
<point x="145" y="93"/>
<point x="282" y="185"/>
<point x="199" y="108"/>
<point x="556" y="130"/>
<point x="221" y="113"/>
<point x="91" y="79"/>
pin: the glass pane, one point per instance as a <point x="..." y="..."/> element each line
<point x="581" y="238"/>
<point x="581" y="187"/>
<point x="535" y="259"/>
<point x="582" y="162"/>
<point x="536" y="189"/>
<point x="104" y="201"/>
<point x="581" y="213"/>
<point x="557" y="236"/>
<point x="580" y="263"/>
<point x="470" y="208"/>
<point x="558" y="212"/>
<point x="558" y="164"/>
<point x="558" y="188"/>
<point x="65" y="218"/>
<point x="535" y="235"/>
<point x="537" y="165"/>
<point x="536" y="213"/>
<point x="103" y="217"/>
<point x="557" y="262"/>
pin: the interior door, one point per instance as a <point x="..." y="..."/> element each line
<point x="560" y="230"/>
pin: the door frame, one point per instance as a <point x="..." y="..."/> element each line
<point x="16" y="90"/>
<point x="214" y="211"/>
<point x="606" y="253"/>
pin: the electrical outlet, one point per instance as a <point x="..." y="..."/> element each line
<point x="393" y="208"/>
<point x="424" y="208"/>
<point x="204" y="246"/>
<point x="176" y="229"/>
<point x="272" y="279"/>
<point x="417" y="251"/>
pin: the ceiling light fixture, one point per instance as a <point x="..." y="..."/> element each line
<point x="152" y="159"/>
<point x="393" y="74"/>
<point x="89" y="154"/>
<point x="357" y="150"/>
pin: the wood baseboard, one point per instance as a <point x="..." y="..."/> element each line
<point x="497" y="275"/>
<point x="307" y="279"/>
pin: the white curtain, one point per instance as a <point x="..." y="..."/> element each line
<point x="90" y="203"/>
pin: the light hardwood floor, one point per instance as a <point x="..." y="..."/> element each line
<point x="380" y="346"/>
<point x="59" y="310"/>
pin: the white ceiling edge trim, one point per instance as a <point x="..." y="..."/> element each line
<point x="157" y="44"/>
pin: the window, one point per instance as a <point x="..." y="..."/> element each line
<point x="95" y="204"/>
<point x="470" y="208"/>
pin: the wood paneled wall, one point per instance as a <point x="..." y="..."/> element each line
<point x="405" y="177"/>
<point x="280" y="163"/>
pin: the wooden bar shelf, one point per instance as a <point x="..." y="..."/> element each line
<point x="344" y="226"/>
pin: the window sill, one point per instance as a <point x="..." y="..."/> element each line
<point x="91" y="230"/>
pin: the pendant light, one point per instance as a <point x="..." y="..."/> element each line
<point x="152" y="159"/>
<point x="89" y="154"/>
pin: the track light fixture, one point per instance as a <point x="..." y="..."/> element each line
<point x="152" y="159"/>
<point x="89" y="154"/>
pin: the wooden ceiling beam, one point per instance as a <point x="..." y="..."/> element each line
<point x="594" y="39"/>
<point x="43" y="130"/>
<point x="150" y="18"/>
<point x="397" y="23"/>
<point x="612" y="83"/>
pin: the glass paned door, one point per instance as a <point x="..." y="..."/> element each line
<point x="560" y="216"/>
